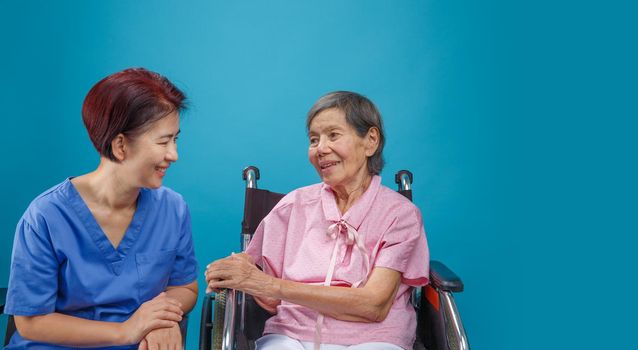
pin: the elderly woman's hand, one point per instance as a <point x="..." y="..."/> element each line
<point x="236" y="272"/>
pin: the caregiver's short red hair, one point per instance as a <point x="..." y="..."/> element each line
<point x="128" y="102"/>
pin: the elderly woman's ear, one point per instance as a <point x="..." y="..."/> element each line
<point x="372" y="141"/>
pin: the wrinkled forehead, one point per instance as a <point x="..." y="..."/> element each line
<point x="328" y="119"/>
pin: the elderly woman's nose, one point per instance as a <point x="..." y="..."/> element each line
<point x="323" y="146"/>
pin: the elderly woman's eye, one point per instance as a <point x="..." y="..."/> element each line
<point x="334" y="135"/>
<point x="314" y="140"/>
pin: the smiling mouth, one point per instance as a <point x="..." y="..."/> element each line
<point x="160" y="170"/>
<point x="324" y="166"/>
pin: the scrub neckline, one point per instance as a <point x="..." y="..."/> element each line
<point x="114" y="256"/>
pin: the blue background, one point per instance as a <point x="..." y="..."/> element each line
<point x="518" y="121"/>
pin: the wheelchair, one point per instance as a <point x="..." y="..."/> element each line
<point x="232" y="320"/>
<point x="11" y="326"/>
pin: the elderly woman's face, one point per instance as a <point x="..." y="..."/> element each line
<point x="339" y="155"/>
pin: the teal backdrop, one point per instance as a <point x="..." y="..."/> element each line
<point x="517" y="120"/>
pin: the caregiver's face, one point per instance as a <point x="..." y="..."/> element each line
<point x="153" y="152"/>
<point x="336" y="151"/>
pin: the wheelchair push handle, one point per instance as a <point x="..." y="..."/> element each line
<point x="404" y="178"/>
<point x="251" y="175"/>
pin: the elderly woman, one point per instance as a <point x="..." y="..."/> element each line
<point x="336" y="262"/>
<point x="106" y="259"/>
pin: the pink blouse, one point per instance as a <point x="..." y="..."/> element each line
<point x="296" y="242"/>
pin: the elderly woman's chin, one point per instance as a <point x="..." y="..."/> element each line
<point x="329" y="176"/>
<point x="334" y="180"/>
<point x="339" y="175"/>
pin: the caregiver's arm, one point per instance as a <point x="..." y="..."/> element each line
<point x="171" y="338"/>
<point x="370" y="303"/>
<point x="186" y="295"/>
<point x="57" y="328"/>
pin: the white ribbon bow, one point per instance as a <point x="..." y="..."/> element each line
<point x="351" y="237"/>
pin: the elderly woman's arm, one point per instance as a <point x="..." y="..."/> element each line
<point x="268" y="304"/>
<point x="370" y="303"/>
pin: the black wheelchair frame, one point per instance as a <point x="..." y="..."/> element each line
<point x="232" y="320"/>
<point x="11" y="326"/>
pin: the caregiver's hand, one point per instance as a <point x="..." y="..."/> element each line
<point x="163" y="339"/>
<point x="159" y="312"/>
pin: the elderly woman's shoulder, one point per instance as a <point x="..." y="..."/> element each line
<point x="303" y="195"/>
<point x="395" y="202"/>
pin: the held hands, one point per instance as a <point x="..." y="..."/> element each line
<point x="159" y="312"/>
<point x="236" y="272"/>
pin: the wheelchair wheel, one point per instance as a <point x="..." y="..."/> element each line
<point x="218" y="320"/>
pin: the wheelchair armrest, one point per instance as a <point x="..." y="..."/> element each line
<point x="441" y="277"/>
<point x="3" y="298"/>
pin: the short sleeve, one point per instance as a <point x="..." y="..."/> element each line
<point x="33" y="282"/>
<point x="185" y="266"/>
<point x="404" y="248"/>
<point x="268" y="244"/>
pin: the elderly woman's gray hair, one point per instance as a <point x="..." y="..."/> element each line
<point x="361" y="114"/>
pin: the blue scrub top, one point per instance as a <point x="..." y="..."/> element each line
<point x="63" y="262"/>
